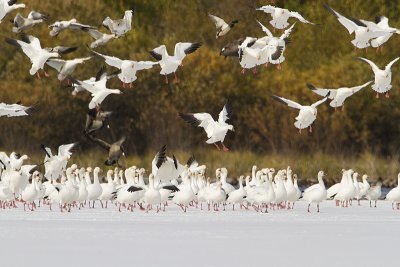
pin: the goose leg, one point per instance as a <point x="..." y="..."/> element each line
<point x="176" y="80"/>
<point x="317" y="207"/>
<point x="343" y="107"/>
<point x="38" y="75"/>
<point x="309" y="207"/>
<point x="310" y="129"/>
<point x="216" y="145"/>
<point x="166" y="79"/>
<point x="377" y="95"/>
<point x="224" y="147"/>
<point x="387" y="95"/>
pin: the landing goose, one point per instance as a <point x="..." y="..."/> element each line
<point x="55" y="165"/>
<point x="383" y="22"/>
<point x="115" y="150"/>
<point x="100" y="38"/>
<point x="96" y="119"/>
<point x="20" y="23"/>
<point x="73" y="24"/>
<point x="222" y="27"/>
<point x="119" y="27"/>
<point x="65" y="67"/>
<point x="280" y="16"/>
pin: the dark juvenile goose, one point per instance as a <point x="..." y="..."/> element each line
<point x="95" y="120"/>
<point x="115" y="150"/>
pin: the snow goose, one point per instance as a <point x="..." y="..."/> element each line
<point x="296" y="186"/>
<point x="73" y="24"/>
<point x="280" y="16"/>
<point x="96" y="119"/>
<point x="94" y="190"/>
<point x="128" y="67"/>
<point x="15" y="110"/>
<point x="119" y="26"/>
<point x="100" y="38"/>
<point x="334" y="189"/>
<point x="65" y="67"/>
<point x="222" y="27"/>
<point x="364" y="186"/>
<point x="228" y="188"/>
<point x="115" y="150"/>
<point x="291" y="191"/>
<point x="250" y="54"/>
<point x="317" y="194"/>
<point x="152" y="195"/>
<point x="356" y="188"/>
<point x="346" y="191"/>
<point x="185" y="195"/>
<point x="215" y="196"/>
<point x="107" y="189"/>
<point x="307" y="114"/>
<point x="363" y="32"/>
<point x="383" y="78"/>
<point x="280" y="192"/>
<point x="216" y="130"/>
<point x="31" y="47"/>
<point x="383" y="23"/>
<point x="338" y="96"/>
<point x="169" y="64"/>
<point x="165" y="169"/>
<point x="56" y="164"/>
<point x="20" y="23"/>
<point x="237" y="196"/>
<point x="374" y="193"/>
<point x="28" y="195"/>
<point x="394" y="194"/>
<point x="8" y="6"/>
<point x="82" y="192"/>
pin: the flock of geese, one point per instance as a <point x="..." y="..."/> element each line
<point x="170" y="181"/>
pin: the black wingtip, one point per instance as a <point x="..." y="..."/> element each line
<point x="327" y="7"/>
<point x="312" y="87"/>
<point x="191" y="160"/>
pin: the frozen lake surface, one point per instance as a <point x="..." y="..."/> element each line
<point x="354" y="236"/>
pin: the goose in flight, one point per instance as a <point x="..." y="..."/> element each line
<point x="222" y="27"/>
<point x="65" y="67"/>
<point x="31" y="47"/>
<point x="15" y="110"/>
<point x="164" y="168"/>
<point x="383" y="78"/>
<point x="20" y="23"/>
<point x="216" y="130"/>
<point x="307" y="114"/>
<point x="231" y="49"/>
<point x="249" y="54"/>
<point x="100" y="38"/>
<point x="115" y="150"/>
<point x="55" y="165"/>
<point x="95" y="120"/>
<point x="363" y="30"/>
<point x="338" y="96"/>
<point x="72" y="24"/>
<point x="169" y="64"/>
<point x="128" y="67"/>
<point x="8" y="6"/>
<point x="383" y="23"/>
<point x="119" y="26"/>
<point x="280" y="16"/>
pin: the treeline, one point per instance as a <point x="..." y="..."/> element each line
<point x="147" y="115"/>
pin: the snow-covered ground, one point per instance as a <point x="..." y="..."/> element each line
<point x="355" y="236"/>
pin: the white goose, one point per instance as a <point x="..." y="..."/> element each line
<point x="185" y="195"/>
<point x="15" y="110"/>
<point x="152" y="196"/>
<point x="100" y="38"/>
<point x="374" y="193"/>
<point x="119" y="27"/>
<point x="280" y="16"/>
<point x="394" y="194"/>
<point x="307" y="114"/>
<point x="222" y="27"/>
<point x="20" y="23"/>
<point x="317" y="194"/>
<point x="383" y="23"/>
<point x="107" y="189"/>
<point x="7" y="7"/>
<point x="94" y="190"/>
<point x="65" y="67"/>
<point x="73" y="24"/>
<point x="237" y="196"/>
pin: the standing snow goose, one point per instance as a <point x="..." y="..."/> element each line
<point x="346" y="191"/>
<point x="119" y="26"/>
<point x="394" y="194"/>
<point x="15" y="110"/>
<point x="185" y="195"/>
<point x="169" y="64"/>
<point x="237" y="196"/>
<point x="383" y="23"/>
<point x="73" y="24"/>
<point x="307" y="114"/>
<point x="216" y="130"/>
<point x="94" y="190"/>
<point x="128" y="67"/>
<point x="115" y="150"/>
<point x="100" y="38"/>
<point x="317" y="194"/>
<point x="363" y="32"/>
<point x="291" y="191"/>
<point x="31" y="47"/>
<point x="222" y="27"/>
<point x="65" y="67"/>
<point x="280" y="16"/>
<point x="338" y="96"/>
<point x="383" y="78"/>
<point x="107" y="189"/>
<point x="152" y="195"/>
<point x="7" y="7"/>
<point x="364" y="186"/>
<point x="228" y="188"/>
<point x="374" y="193"/>
<point x="20" y="23"/>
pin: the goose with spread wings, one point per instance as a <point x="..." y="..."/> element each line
<point x="100" y="37"/>
<point x="166" y="169"/>
<point x="55" y="165"/>
<point x="383" y="23"/>
<point x="307" y="114"/>
<point x="119" y="27"/>
<point x="128" y="67"/>
<point x="72" y="24"/>
<point x="31" y="47"/>
<point x="338" y="96"/>
<point x="383" y="78"/>
<point x="115" y="150"/>
<point x="222" y="27"/>
<point x="15" y="110"/>
<point x="216" y="130"/>
<point x="8" y="6"/>
<point x="95" y="120"/>
<point x="65" y="67"/>
<point x="280" y="16"/>
<point x="20" y="23"/>
<point x="363" y="30"/>
<point x="169" y="64"/>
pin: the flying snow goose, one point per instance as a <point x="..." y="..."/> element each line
<point x="73" y="24"/>
<point x="307" y="114"/>
<point x="222" y="27"/>
<point x="363" y="32"/>
<point x="100" y="38"/>
<point x="317" y="194"/>
<point x="8" y="6"/>
<point x="65" y="67"/>
<point x="115" y="150"/>
<point x="15" y="110"/>
<point x="169" y="64"/>
<point x="20" y="23"/>
<point x="249" y="54"/>
<point x="383" y="78"/>
<point x="164" y="168"/>
<point x="30" y="46"/>
<point x="119" y="26"/>
<point x="95" y="120"/>
<point x="216" y="130"/>
<point x="55" y="165"/>
<point x="374" y="193"/>
<point x="338" y="96"/>
<point x="128" y="67"/>
<point x="394" y="194"/>
<point x="383" y="23"/>
<point x="280" y="16"/>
